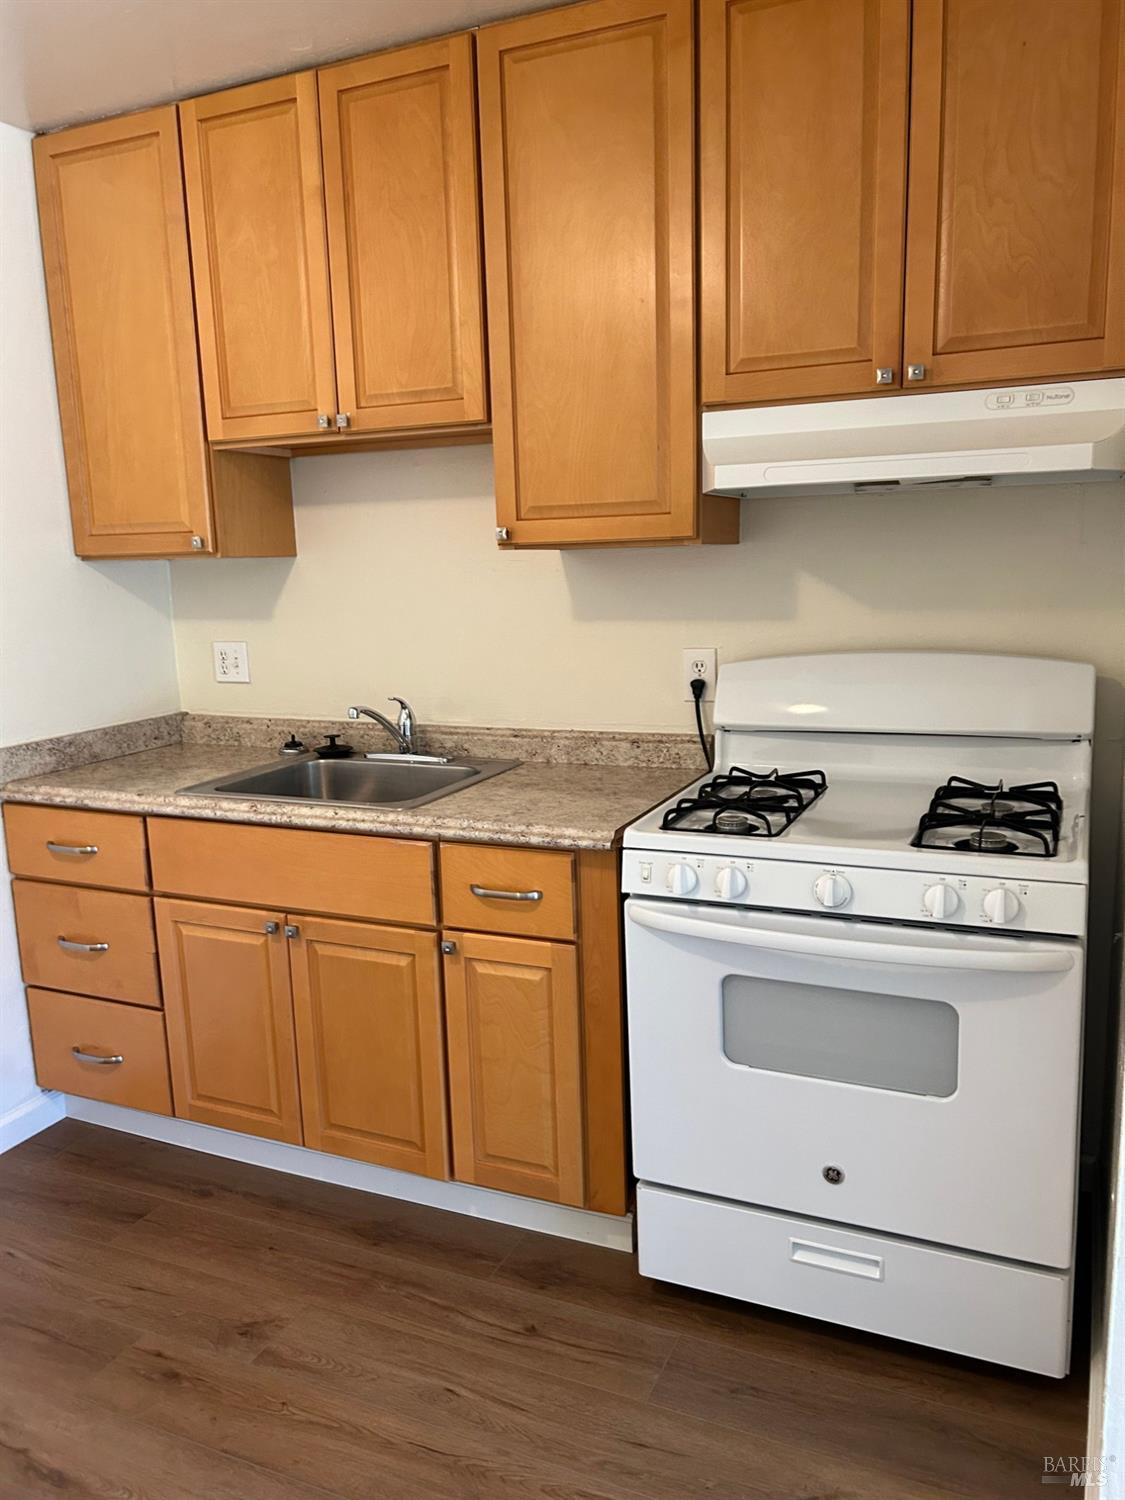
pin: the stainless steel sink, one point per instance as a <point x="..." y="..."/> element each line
<point x="376" y="781"/>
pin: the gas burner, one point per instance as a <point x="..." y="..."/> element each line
<point x="744" y="802"/>
<point x="978" y="819"/>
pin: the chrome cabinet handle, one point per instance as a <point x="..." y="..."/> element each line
<point x="104" y="1062"/>
<point x="292" y="930"/>
<point x="448" y="945"/>
<point x="72" y="947"/>
<point x="71" y="848"/>
<point x="271" y="928"/>
<point x="484" y="892"/>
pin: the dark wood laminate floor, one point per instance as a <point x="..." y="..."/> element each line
<point x="174" y="1326"/>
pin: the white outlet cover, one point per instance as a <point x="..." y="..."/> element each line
<point x="700" y="661"/>
<point x="232" y="661"/>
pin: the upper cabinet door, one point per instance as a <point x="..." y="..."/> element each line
<point x="587" y="146"/>
<point x="803" y="162"/>
<point x="252" y="172"/>
<point x="400" y="170"/>
<point x="115" y="252"/>
<point x="1016" y="246"/>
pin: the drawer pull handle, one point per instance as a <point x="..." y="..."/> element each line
<point x="489" y="895"/>
<point x="832" y="1258"/>
<point x="92" y="1057"/>
<point x="71" y="848"/>
<point x="72" y="947"/>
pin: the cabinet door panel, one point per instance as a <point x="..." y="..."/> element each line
<point x="515" y="1071"/>
<point x="803" y="151"/>
<point x="587" y="159"/>
<point x="229" y="1014"/>
<point x="252" y="174"/>
<point x="119" y="288"/>
<point x="404" y="231"/>
<point x="1016" y="236"/>
<point x="369" y="1037"/>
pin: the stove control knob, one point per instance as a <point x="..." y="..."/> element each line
<point x="682" y="879"/>
<point x="832" y="890"/>
<point x="1001" y="904"/>
<point x="731" y="883"/>
<point x="940" y="901"/>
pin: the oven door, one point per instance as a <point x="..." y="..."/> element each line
<point x="917" y="1081"/>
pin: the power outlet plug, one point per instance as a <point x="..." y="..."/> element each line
<point x="700" y="661"/>
<point x="232" y="661"/>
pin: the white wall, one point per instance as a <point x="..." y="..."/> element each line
<point x="398" y="587"/>
<point x="81" y="645"/>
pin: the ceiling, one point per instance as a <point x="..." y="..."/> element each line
<point x="68" y="60"/>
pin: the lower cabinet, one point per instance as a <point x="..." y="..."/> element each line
<point x="367" y="1002"/>
<point x="229" y="1014"/>
<point x="491" y="1057"/>
<point x="515" y="1065"/>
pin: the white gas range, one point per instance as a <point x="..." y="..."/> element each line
<point x="855" y="963"/>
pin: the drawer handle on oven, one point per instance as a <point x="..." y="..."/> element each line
<point x="71" y="848"/>
<point x="105" y="1062"/>
<point x="488" y="895"/>
<point x="832" y="1258"/>
<point x="1013" y="958"/>
<point x="72" y="947"/>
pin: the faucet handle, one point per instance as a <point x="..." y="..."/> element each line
<point x="405" y="721"/>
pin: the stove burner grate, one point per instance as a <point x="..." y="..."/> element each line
<point x="748" y="803"/>
<point x="979" y="819"/>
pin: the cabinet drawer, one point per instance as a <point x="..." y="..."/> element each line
<point x="62" y="1024"/>
<point x="82" y="848"/>
<point x="997" y="1310"/>
<point x="50" y="917"/>
<point x="346" y="874"/>
<point x="489" y="888"/>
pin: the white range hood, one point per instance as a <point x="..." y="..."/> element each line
<point x="1010" y="435"/>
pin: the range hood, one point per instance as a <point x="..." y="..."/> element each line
<point x="1035" y="434"/>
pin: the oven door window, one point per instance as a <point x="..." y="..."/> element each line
<point x="895" y="1042"/>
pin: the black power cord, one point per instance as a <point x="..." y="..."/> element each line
<point x="698" y="688"/>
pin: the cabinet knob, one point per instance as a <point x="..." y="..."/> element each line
<point x="503" y="534"/>
<point x="448" y="945"/>
<point x="323" y="421"/>
<point x="197" y="544"/>
<point x="271" y="928"/>
<point x="915" y="372"/>
<point x="292" y="930"/>
<point x="885" y="375"/>
<point x="343" y="420"/>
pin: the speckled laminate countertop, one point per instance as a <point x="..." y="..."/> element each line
<point x="548" y="806"/>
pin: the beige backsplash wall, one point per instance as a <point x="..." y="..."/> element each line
<point x="398" y="587"/>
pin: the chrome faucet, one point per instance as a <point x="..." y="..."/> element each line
<point x="402" y="733"/>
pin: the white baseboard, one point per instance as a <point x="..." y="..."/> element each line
<point x="29" y="1118"/>
<point x="458" y="1197"/>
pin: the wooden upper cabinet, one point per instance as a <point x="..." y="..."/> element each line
<point x="400" y="174"/>
<point x="255" y="208"/>
<point x="803" y="115"/>
<point x="229" y="1012"/>
<point x="515" y="1065"/>
<point x="1016" y="245"/>
<point x="587" y="147"/>
<point x="370" y="1041"/>
<point x="119" y="288"/>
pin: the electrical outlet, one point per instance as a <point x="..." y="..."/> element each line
<point x="700" y="661"/>
<point x="232" y="661"/>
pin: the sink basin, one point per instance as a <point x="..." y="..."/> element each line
<point x="382" y="781"/>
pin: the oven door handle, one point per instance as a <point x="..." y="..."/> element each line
<point x="1014" y="958"/>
